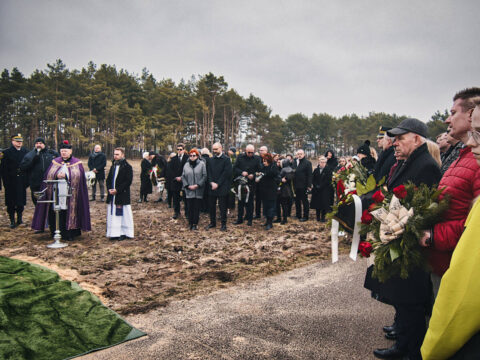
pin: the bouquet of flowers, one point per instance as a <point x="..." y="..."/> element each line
<point x="351" y="180"/>
<point x="394" y="223"/>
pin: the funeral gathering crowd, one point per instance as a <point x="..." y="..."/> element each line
<point x="198" y="180"/>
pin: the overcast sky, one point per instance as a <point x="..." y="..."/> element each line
<point x="339" y="57"/>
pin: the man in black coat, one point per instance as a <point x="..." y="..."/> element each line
<point x="35" y="163"/>
<point x="411" y="297"/>
<point x="302" y="182"/>
<point x="119" y="212"/>
<point x="386" y="159"/>
<point x="247" y="165"/>
<point x="96" y="163"/>
<point x="175" y="170"/>
<point x="219" y="170"/>
<point x="14" y="180"/>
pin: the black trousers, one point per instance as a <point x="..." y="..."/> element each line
<point x="222" y="204"/>
<point x="101" y="186"/>
<point x="176" y="202"/>
<point x="248" y="206"/>
<point x="169" y="197"/>
<point x="66" y="234"/>
<point x="258" y="202"/>
<point x="411" y="328"/>
<point x="321" y="214"/>
<point x="301" y="199"/>
<point x="286" y="206"/>
<point x="193" y="206"/>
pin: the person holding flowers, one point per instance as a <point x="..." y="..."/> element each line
<point x="411" y="295"/>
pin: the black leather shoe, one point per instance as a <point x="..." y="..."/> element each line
<point x="13" y="225"/>
<point x="238" y="222"/>
<point x="303" y="219"/>
<point x="249" y="223"/>
<point x="392" y="335"/>
<point x="194" y="227"/>
<point x="210" y="226"/>
<point x="39" y="231"/>
<point x="223" y="228"/>
<point x="390" y="328"/>
<point x="278" y="220"/>
<point x="175" y="216"/>
<point x="390" y="353"/>
<point x="269" y="226"/>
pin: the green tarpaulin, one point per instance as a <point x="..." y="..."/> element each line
<point x="45" y="317"/>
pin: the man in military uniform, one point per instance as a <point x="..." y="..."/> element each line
<point x="14" y="180"/>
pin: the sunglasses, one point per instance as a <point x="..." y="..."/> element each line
<point x="249" y="152"/>
<point x="193" y="155"/>
<point x="179" y="149"/>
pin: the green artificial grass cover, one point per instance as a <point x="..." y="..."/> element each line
<point x="45" y="317"/>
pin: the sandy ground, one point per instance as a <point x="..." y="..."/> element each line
<point x="320" y="311"/>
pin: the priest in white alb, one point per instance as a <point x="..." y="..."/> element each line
<point x="119" y="210"/>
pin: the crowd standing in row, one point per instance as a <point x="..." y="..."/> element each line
<point x="272" y="182"/>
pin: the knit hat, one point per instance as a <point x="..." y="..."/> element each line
<point x="40" y="139"/>
<point x="365" y="148"/>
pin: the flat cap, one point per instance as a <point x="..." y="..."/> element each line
<point x="409" y="125"/>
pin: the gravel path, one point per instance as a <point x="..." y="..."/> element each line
<point x="320" y="311"/>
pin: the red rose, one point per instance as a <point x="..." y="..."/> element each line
<point x="366" y="217"/>
<point x="365" y="248"/>
<point x="378" y="197"/>
<point x="400" y="191"/>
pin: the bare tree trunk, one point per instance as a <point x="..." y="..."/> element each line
<point x="55" y="133"/>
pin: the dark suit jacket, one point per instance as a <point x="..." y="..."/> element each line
<point x="303" y="174"/>
<point x="175" y="169"/>
<point x="219" y="170"/>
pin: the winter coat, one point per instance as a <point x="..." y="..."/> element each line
<point x="303" y="174"/>
<point x="249" y="164"/>
<point x="322" y="191"/>
<point x="368" y="163"/>
<point x="450" y="156"/>
<point x="145" y="182"/>
<point x="269" y="182"/>
<point x="194" y="174"/>
<point x="174" y="170"/>
<point x="384" y="163"/>
<point x="14" y="179"/>
<point x="98" y="161"/>
<point x="35" y="164"/>
<point x="161" y="162"/>
<point x="219" y="169"/>
<point x="419" y="168"/>
<point x="286" y="188"/>
<point x="462" y="182"/>
<point x="332" y="163"/>
<point x="122" y="183"/>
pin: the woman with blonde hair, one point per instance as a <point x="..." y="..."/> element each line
<point x="434" y="150"/>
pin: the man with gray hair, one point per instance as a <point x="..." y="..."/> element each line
<point x="96" y="163"/>
<point x="302" y="181"/>
<point x="386" y="158"/>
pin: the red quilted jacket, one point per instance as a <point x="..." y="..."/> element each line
<point x="462" y="182"/>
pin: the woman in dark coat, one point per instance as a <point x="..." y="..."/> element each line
<point x="332" y="161"/>
<point x="322" y="189"/>
<point x="285" y="192"/>
<point x="365" y="156"/>
<point x="145" y="182"/>
<point x="268" y="188"/>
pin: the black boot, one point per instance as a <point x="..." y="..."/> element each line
<point x="278" y="220"/>
<point x="269" y="224"/>
<point x="12" y="220"/>
<point x="19" y="218"/>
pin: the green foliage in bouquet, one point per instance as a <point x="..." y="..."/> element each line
<point x="403" y="254"/>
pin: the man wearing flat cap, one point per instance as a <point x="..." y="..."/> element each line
<point x="35" y="163"/>
<point x="14" y="180"/>
<point x="411" y="297"/>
